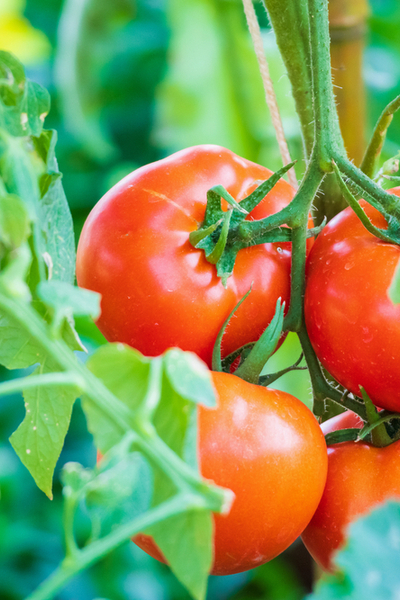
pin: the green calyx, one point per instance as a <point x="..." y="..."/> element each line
<point x="255" y="355"/>
<point x="380" y="428"/>
<point x="223" y="233"/>
<point x="391" y="213"/>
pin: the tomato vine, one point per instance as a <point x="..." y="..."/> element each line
<point x="38" y="302"/>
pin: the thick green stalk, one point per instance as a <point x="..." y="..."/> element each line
<point x="389" y="202"/>
<point x="300" y="209"/>
<point x="326" y="121"/>
<point x="290" y="22"/>
<point x="322" y="390"/>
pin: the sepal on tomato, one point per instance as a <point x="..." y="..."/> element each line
<point x="223" y="233"/>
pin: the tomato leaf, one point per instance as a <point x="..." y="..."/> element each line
<point x="186" y="542"/>
<point x="39" y="439"/>
<point x="369" y="563"/>
<point x="17" y="349"/>
<point x="56" y="217"/>
<point x="120" y="490"/>
<point x="23" y="104"/>
<point x="15" y="272"/>
<point x="67" y="300"/>
<point x="189" y="377"/>
<point x="14" y="221"/>
<point x="125" y="372"/>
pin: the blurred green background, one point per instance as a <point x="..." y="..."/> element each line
<point x="132" y="81"/>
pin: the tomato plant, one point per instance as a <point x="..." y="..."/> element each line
<point x="267" y="447"/>
<point x="353" y="325"/>
<point x="360" y="476"/>
<point x="172" y="249"/>
<point x="158" y="290"/>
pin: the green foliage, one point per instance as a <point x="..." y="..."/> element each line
<point x="154" y="400"/>
<point x="186" y="544"/>
<point x="39" y="439"/>
<point x="368" y="567"/>
<point x="109" y="91"/>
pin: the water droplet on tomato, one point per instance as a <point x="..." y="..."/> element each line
<point x="367" y="335"/>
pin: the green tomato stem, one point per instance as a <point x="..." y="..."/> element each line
<point x="326" y="121"/>
<point x="375" y="145"/>
<point x="365" y="431"/>
<point x="46" y="380"/>
<point x="87" y="556"/>
<point x="299" y="210"/>
<point x="379" y="435"/>
<point x="388" y="202"/>
<point x="351" y="200"/>
<point x="322" y="390"/>
<point x="292" y="35"/>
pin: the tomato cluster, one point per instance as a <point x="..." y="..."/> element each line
<point x="159" y="291"/>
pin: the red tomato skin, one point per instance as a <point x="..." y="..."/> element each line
<point x="157" y="290"/>
<point x="353" y="325"/>
<point x="360" y="476"/>
<point x="268" y="448"/>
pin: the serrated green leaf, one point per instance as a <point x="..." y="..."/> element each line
<point x="189" y="376"/>
<point x="67" y="300"/>
<point x="37" y="106"/>
<point x="175" y="421"/>
<point x="23" y="103"/>
<point x="369" y="563"/>
<point x="14" y="221"/>
<point x="56" y="219"/>
<point x="10" y="65"/>
<point x="125" y="372"/>
<point x="20" y="169"/>
<point x="39" y="439"/>
<point x="71" y="336"/>
<point x="14" y="273"/>
<point x="186" y="542"/>
<point x="119" y="492"/>
<point x="17" y="349"/>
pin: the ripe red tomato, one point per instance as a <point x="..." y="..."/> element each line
<point x="353" y="325"/>
<point x="157" y="290"/>
<point x="268" y="448"/>
<point x="360" y="476"/>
